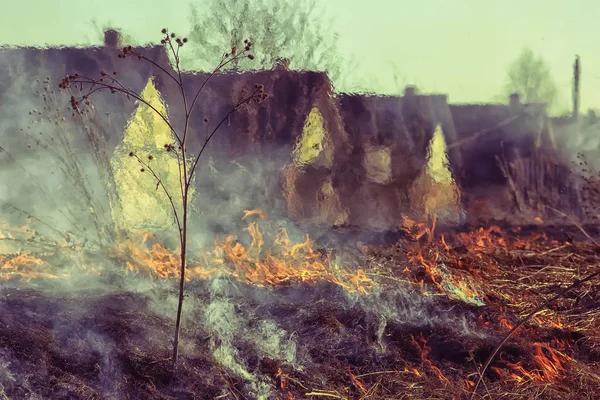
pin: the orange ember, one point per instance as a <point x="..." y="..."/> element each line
<point x="357" y="383"/>
<point x="506" y="324"/>
<point x="426" y="261"/>
<point x="415" y="229"/>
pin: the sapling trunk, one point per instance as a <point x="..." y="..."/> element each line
<point x="181" y="279"/>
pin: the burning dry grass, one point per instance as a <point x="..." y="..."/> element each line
<point x="432" y="314"/>
<point x="265" y="261"/>
<point x="513" y="273"/>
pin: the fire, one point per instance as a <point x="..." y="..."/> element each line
<point x="415" y="229"/>
<point x="158" y="263"/>
<point x="548" y="362"/>
<point x="356" y="382"/>
<point x="12" y="239"/>
<point x="430" y="268"/>
<point x="484" y="238"/>
<point x="506" y="324"/>
<point x="424" y="349"/>
<point x="519" y="374"/>
<point x="428" y="260"/>
<point x="259" y="212"/>
<point x="494" y="238"/>
<point x="282" y="262"/>
<point x="473" y="261"/>
<point x="284" y="380"/>
<point x="25" y="267"/>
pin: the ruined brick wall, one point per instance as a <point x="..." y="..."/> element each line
<point x="389" y="137"/>
<point x="262" y="139"/>
<point x="305" y="152"/>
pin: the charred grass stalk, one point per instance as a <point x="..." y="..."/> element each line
<point x="86" y="87"/>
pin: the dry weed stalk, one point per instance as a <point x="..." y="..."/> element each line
<point x="88" y="86"/>
<point x="590" y="189"/>
<point x="50" y="135"/>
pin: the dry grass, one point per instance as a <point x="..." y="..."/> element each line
<point x="84" y="346"/>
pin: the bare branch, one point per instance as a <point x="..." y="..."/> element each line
<point x="223" y="63"/>
<point x="225" y="118"/>
<point x="162" y="185"/>
<point x="105" y="86"/>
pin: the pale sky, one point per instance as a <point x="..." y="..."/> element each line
<point x="458" y="47"/>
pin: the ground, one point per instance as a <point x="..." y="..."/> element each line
<point x="433" y="314"/>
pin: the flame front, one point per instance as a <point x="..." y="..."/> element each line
<point x="24" y="266"/>
<point x="271" y="258"/>
<point x="282" y="262"/>
<point x="548" y="362"/>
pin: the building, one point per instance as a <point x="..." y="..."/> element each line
<point x="317" y="156"/>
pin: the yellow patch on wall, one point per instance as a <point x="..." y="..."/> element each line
<point x="143" y="205"/>
<point x="313" y="147"/>
<point x="378" y="163"/>
<point x="435" y="192"/>
<point x="438" y="166"/>
<point x="329" y="205"/>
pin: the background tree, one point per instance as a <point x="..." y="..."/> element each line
<point x="529" y="76"/>
<point x="296" y="30"/>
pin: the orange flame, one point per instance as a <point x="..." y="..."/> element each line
<point x="159" y="262"/>
<point x="548" y="362"/>
<point x="506" y="324"/>
<point x="425" y="350"/>
<point x="279" y="263"/>
<point x="282" y="262"/>
<point x="24" y="266"/>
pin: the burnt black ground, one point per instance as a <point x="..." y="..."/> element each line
<point x="96" y="345"/>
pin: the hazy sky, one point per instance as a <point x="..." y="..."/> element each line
<point x="458" y="47"/>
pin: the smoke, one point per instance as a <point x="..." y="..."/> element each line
<point x="50" y="179"/>
<point x="93" y="347"/>
<point x="580" y="137"/>
<point x="64" y="198"/>
<point x="7" y="379"/>
<point x="410" y="308"/>
<point x="228" y="187"/>
<point x="101" y="321"/>
<point x="223" y="321"/>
